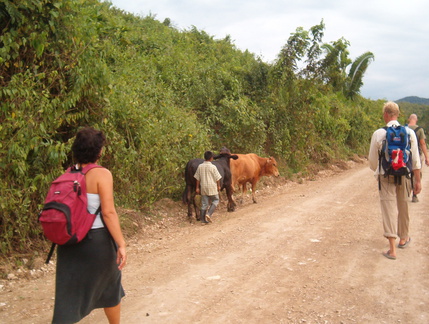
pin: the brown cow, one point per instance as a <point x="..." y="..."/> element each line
<point x="250" y="168"/>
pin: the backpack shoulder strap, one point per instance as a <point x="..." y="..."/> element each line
<point x="416" y="130"/>
<point x="89" y="167"/>
<point x="85" y="170"/>
<point x="51" y="251"/>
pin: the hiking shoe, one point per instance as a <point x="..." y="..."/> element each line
<point x="415" y="199"/>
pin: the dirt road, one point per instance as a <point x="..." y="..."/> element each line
<point x="306" y="253"/>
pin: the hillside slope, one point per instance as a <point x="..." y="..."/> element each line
<point x="415" y="100"/>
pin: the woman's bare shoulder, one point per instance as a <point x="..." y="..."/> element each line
<point x="100" y="173"/>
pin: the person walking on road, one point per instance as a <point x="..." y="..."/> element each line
<point x="208" y="177"/>
<point x="89" y="274"/>
<point x="421" y="138"/>
<point x="394" y="195"/>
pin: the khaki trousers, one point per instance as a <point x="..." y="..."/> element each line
<point x="394" y="206"/>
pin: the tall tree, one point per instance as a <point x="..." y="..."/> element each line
<point x="335" y="63"/>
<point x="335" y="66"/>
<point x="356" y="73"/>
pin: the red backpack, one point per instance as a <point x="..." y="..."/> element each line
<point x="65" y="218"/>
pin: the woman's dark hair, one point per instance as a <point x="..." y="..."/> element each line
<point x="87" y="145"/>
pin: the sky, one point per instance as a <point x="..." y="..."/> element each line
<point x="395" y="31"/>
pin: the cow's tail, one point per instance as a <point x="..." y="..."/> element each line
<point x="185" y="192"/>
<point x="185" y="195"/>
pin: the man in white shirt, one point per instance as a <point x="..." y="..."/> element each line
<point x="208" y="177"/>
<point x="394" y="196"/>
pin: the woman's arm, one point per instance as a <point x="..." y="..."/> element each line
<point x="104" y="182"/>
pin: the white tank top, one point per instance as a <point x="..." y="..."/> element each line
<point x="93" y="204"/>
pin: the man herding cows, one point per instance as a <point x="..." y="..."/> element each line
<point x="235" y="169"/>
<point x="222" y="163"/>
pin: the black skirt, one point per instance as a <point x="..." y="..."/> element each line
<point x="87" y="277"/>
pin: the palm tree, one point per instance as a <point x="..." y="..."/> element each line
<point x="336" y="63"/>
<point x="355" y="76"/>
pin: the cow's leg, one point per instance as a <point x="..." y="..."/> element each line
<point x="231" y="204"/>
<point x="190" y="211"/>
<point x="192" y="203"/>
<point x="197" y="205"/>
<point x="253" y="192"/>
<point x="243" y="189"/>
<point x="189" y="201"/>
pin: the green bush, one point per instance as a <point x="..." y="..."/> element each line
<point x="162" y="96"/>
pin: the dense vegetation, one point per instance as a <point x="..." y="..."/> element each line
<point x="419" y="109"/>
<point x="162" y="96"/>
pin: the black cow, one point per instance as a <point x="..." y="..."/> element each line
<point x="221" y="162"/>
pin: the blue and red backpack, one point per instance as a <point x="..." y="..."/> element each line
<point x="65" y="218"/>
<point x="395" y="155"/>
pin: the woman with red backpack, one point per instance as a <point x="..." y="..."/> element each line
<point x="88" y="274"/>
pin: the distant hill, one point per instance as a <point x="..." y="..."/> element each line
<point x="415" y="100"/>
